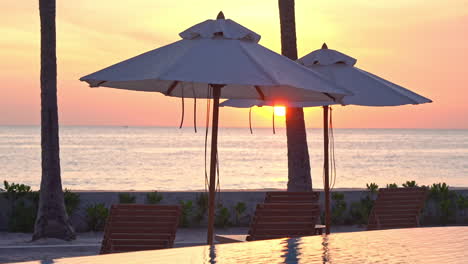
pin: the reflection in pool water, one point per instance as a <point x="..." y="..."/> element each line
<point x="413" y="245"/>
<point x="291" y="250"/>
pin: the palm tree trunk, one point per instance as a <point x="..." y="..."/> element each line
<point x="52" y="219"/>
<point x="299" y="178"/>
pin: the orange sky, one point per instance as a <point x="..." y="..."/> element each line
<point x="422" y="45"/>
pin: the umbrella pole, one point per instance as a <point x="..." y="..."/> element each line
<point x="326" y="170"/>
<point x="214" y="150"/>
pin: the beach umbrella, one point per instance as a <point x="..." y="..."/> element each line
<point x="367" y="88"/>
<point x="217" y="59"/>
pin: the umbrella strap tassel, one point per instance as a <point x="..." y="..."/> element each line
<point x="332" y="151"/>
<point x="250" y="120"/>
<point x="218" y="185"/>
<point x="183" y="110"/>
<point x="194" y="109"/>
<point x="207" y="126"/>
<point x="273" y="119"/>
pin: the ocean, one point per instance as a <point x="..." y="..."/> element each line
<point x="157" y="158"/>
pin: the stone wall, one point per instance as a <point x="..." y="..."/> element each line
<point x="228" y="199"/>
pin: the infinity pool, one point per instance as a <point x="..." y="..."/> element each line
<point x="414" y="245"/>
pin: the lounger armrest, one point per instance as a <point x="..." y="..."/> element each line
<point x="319" y="229"/>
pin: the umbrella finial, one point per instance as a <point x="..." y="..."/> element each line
<point x="220" y="15"/>
<point x="324" y="46"/>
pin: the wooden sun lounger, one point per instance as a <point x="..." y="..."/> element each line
<point x="292" y="197"/>
<point x="284" y="214"/>
<point x="134" y="227"/>
<point x="277" y="220"/>
<point x="397" y="208"/>
<point x="296" y="197"/>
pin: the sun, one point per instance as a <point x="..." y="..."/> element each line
<point x="280" y="110"/>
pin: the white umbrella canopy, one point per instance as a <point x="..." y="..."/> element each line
<point x="218" y="59"/>
<point x="218" y="52"/>
<point x="367" y="89"/>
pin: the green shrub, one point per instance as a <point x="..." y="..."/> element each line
<point x="372" y="187"/>
<point x="239" y="210"/>
<point x="356" y="214"/>
<point x="392" y="186"/>
<point x="410" y="184"/>
<point x="359" y="211"/>
<point x="72" y="201"/>
<point x="23" y="203"/>
<point x="22" y="217"/>
<point x="462" y="202"/>
<point x="96" y="216"/>
<point x="126" y="198"/>
<point x="439" y="191"/>
<point x="445" y="200"/>
<point x="153" y="198"/>
<point x="338" y="208"/>
<point x="187" y="208"/>
<point x="202" y="206"/>
<point x="222" y="217"/>
<point x="16" y="188"/>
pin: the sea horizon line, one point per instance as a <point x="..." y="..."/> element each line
<point x="227" y="127"/>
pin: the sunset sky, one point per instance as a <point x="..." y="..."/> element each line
<point x="419" y="44"/>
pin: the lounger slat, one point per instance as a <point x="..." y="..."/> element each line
<point x="288" y="206"/>
<point x="146" y="218"/>
<point x="282" y="218"/>
<point x="140" y="225"/>
<point x="283" y="225"/>
<point x="141" y="236"/>
<point x="146" y="213"/>
<point x="295" y="213"/>
<point x="152" y="207"/>
<point x="142" y="229"/>
<point x="118" y="249"/>
<point x="288" y="197"/>
<point x="139" y="242"/>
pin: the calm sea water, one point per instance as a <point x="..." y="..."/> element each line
<point x="120" y="158"/>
